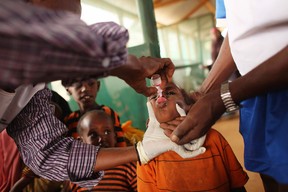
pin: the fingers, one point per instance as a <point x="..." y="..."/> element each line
<point x="184" y="132"/>
<point x="169" y="68"/>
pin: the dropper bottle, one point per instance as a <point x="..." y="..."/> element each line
<point x="156" y="82"/>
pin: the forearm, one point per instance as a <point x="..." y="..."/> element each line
<point x="41" y="141"/>
<point x="271" y="75"/>
<point x="222" y="69"/>
<point x="112" y="157"/>
<point x="40" y="45"/>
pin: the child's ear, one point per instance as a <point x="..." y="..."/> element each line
<point x="79" y="138"/>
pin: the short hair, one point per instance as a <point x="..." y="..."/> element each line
<point x="69" y="82"/>
<point x="97" y="112"/>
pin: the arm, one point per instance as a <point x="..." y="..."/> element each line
<point x="271" y="75"/>
<point x="222" y="69"/>
<point x="27" y="178"/>
<point x="41" y="45"/>
<point x="21" y="184"/>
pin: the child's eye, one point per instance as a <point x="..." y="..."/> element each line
<point x="169" y="93"/>
<point x="77" y="85"/>
<point x="107" y="132"/>
<point x="94" y="135"/>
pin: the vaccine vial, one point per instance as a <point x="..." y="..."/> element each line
<point x="156" y="82"/>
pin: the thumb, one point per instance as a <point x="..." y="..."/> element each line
<point x="180" y="134"/>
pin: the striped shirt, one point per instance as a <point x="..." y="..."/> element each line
<point x="121" y="178"/>
<point x="40" y="45"/>
<point x="44" y="147"/>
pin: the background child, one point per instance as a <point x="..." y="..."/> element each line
<point x="84" y="91"/>
<point x="96" y="128"/>
<point x="217" y="169"/>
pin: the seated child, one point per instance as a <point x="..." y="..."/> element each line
<point x="84" y="91"/>
<point x="217" y="169"/>
<point x="96" y="128"/>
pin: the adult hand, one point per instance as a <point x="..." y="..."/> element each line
<point x="200" y="118"/>
<point x="135" y="72"/>
<point x="155" y="142"/>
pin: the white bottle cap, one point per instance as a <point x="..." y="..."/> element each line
<point x="156" y="80"/>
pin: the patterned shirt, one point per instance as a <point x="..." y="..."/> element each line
<point x="121" y="178"/>
<point x="44" y="147"/>
<point x="37" y="45"/>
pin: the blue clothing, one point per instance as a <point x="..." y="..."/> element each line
<point x="220" y="9"/>
<point x="264" y="127"/>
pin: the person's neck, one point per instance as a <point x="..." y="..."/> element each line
<point x="84" y="109"/>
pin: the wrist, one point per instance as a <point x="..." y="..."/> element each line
<point x="226" y="97"/>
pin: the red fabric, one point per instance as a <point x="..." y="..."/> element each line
<point x="11" y="164"/>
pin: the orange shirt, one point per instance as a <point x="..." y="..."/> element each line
<point x="216" y="170"/>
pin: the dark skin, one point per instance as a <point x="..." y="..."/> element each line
<point x="134" y="73"/>
<point x="209" y="101"/>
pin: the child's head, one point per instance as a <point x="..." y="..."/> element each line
<point x="165" y="109"/>
<point x="96" y="127"/>
<point x="83" y="90"/>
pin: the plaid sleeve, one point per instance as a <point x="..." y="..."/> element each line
<point x="41" y="140"/>
<point x="38" y="44"/>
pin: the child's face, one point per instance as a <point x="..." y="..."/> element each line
<point x="84" y="92"/>
<point x="98" y="130"/>
<point x="165" y="110"/>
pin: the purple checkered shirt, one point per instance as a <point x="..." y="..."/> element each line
<point x="40" y="45"/>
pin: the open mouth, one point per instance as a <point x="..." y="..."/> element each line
<point x="86" y="97"/>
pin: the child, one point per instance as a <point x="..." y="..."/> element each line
<point x="84" y="91"/>
<point x="217" y="169"/>
<point x="96" y="128"/>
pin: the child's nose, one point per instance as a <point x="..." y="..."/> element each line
<point x="161" y="100"/>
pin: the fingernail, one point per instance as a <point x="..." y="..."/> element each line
<point x="174" y="138"/>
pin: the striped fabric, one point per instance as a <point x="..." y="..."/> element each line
<point x="43" y="146"/>
<point x="72" y="119"/>
<point x="121" y="178"/>
<point x="38" y="44"/>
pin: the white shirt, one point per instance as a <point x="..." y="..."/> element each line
<point x="257" y="30"/>
<point x="12" y="103"/>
